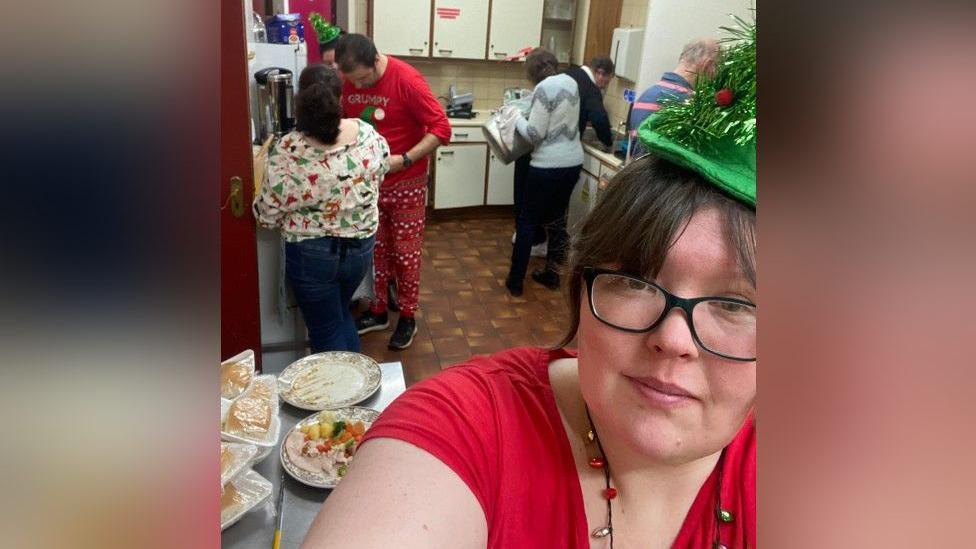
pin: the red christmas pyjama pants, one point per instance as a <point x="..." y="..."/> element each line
<point x="399" y="238"/>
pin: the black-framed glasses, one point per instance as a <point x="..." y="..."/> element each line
<point x="723" y="326"/>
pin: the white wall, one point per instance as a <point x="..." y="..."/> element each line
<point x="673" y="23"/>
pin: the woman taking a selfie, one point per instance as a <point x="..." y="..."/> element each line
<point x="641" y="437"/>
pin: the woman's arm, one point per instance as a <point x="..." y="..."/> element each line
<point x="397" y="495"/>
<point x="280" y="193"/>
<point x="537" y="126"/>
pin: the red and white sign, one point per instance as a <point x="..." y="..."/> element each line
<point x="448" y="13"/>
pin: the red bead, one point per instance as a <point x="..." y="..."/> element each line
<point x="597" y="463"/>
<point x="610" y="493"/>
<point x="723" y="97"/>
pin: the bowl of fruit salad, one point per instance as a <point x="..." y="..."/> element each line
<point x="319" y="449"/>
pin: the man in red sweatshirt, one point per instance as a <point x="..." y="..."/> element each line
<point x="394" y="97"/>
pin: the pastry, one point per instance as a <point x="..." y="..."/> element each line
<point x="251" y="413"/>
<point x="234" y="378"/>
<point x="230" y="498"/>
<point x="226" y="458"/>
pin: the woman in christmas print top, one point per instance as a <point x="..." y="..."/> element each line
<point x="321" y="191"/>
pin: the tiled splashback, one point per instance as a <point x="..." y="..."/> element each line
<point x="487" y="81"/>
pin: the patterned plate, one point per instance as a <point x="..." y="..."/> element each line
<point x="325" y="381"/>
<point x="322" y="480"/>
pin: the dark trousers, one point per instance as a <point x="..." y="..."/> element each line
<point x="546" y="198"/>
<point x="324" y="273"/>
<point x="520" y="183"/>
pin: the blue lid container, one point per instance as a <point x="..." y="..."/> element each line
<point x="286" y="28"/>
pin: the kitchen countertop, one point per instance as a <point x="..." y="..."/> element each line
<point x="593" y="150"/>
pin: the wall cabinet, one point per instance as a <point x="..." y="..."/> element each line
<point x="501" y="182"/>
<point x="515" y="24"/>
<point x="460" y="29"/>
<point x="459" y="176"/>
<point x="402" y="27"/>
<point x="457" y="29"/>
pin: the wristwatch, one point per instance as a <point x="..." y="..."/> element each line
<point x="406" y="160"/>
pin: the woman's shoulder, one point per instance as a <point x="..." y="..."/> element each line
<point x="488" y="386"/>
<point x="290" y="142"/>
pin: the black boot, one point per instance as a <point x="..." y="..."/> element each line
<point x="514" y="287"/>
<point x="372" y="322"/>
<point x="547" y="277"/>
<point x="403" y="335"/>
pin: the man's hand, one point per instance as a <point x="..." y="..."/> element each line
<point x="396" y="163"/>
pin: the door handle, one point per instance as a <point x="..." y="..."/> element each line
<point x="445" y="153"/>
<point x="501" y="54"/>
<point x="445" y="51"/>
<point x="460" y="135"/>
<point x="418" y="50"/>
<point x="236" y="197"/>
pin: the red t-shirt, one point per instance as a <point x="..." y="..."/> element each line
<point x="402" y="108"/>
<point x="493" y="420"/>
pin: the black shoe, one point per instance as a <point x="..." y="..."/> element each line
<point x="514" y="288"/>
<point x="372" y="322"/>
<point x="392" y="303"/>
<point x="549" y="279"/>
<point x="403" y="335"/>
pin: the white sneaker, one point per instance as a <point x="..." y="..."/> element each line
<point x="540" y="250"/>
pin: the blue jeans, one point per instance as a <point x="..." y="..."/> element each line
<point x="324" y="273"/>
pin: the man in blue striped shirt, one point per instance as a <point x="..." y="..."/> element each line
<point x="698" y="57"/>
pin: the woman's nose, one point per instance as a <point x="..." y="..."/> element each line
<point x="672" y="338"/>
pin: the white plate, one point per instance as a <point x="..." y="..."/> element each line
<point x="271" y="438"/>
<point x="242" y="456"/>
<point x="321" y="480"/>
<point x="254" y="489"/>
<point x="247" y="358"/>
<point x="329" y="380"/>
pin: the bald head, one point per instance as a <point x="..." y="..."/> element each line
<point x="699" y="57"/>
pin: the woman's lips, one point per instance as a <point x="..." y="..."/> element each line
<point x="660" y="393"/>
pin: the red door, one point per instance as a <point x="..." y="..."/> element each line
<point x="240" y="321"/>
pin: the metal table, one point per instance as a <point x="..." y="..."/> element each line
<point x="301" y="503"/>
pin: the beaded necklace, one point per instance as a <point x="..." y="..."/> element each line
<point x="610" y="493"/>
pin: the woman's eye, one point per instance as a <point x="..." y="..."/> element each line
<point x="636" y="284"/>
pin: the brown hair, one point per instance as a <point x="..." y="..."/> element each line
<point x="541" y="64"/>
<point x="354" y="50"/>
<point x="640" y="217"/>
<point x="317" y="108"/>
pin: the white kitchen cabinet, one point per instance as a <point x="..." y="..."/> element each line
<point x="460" y="29"/>
<point x="402" y="27"/>
<point x="607" y="172"/>
<point x="515" y="24"/>
<point x="501" y="182"/>
<point x="459" y="176"/>
<point x="581" y="202"/>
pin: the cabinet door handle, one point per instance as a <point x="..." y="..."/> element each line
<point x="418" y="50"/>
<point x="460" y="135"/>
<point x="501" y="54"/>
<point x="445" y="51"/>
<point x="445" y="153"/>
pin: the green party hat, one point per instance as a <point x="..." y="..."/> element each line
<point x="325" y="31"/>
<point x="713" y="132"/>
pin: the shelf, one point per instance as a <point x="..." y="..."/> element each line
<point x="558" y="21"/>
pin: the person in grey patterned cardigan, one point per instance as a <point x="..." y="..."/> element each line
<point x="553" y="128"/>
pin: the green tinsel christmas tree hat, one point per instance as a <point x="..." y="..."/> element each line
<point x="325" y="31"/>
<point x="713" y="132"/>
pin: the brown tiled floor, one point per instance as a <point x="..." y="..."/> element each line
<point x="465" y="309"/>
